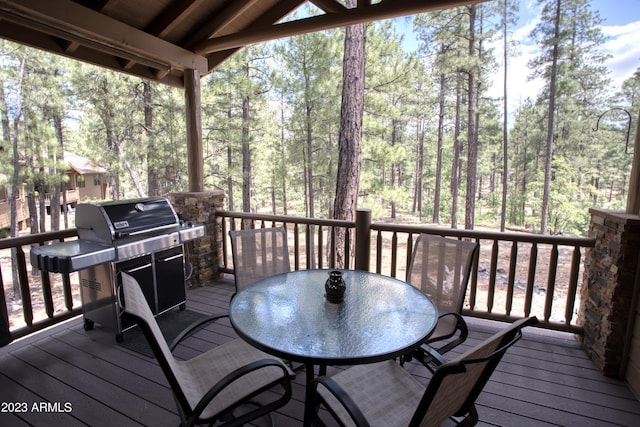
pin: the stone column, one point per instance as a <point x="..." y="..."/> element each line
<point x="608" y="287"/>
<point x="203" y="254"/>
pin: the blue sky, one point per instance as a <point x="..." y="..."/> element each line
<point x="621" y="25"/>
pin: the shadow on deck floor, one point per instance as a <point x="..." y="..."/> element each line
<point x="68" y="376"/>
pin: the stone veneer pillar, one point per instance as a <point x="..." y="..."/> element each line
<point x="204" y="254"/>
<point x="608" y="286"/>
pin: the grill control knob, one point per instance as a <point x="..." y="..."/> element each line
<point x="139" y="207"/>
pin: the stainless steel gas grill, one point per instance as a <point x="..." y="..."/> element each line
<point x="142" y="237"/>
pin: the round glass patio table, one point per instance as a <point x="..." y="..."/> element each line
<point x="288" y="315"/>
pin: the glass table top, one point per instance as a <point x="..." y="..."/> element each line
<point x="288" y="315"/>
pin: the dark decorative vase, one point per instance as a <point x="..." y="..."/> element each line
<point x="335" y="287"/>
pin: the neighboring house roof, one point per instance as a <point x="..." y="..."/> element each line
<point x="82" y="165"/>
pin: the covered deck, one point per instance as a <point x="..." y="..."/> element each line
<point x="75" y="377"/>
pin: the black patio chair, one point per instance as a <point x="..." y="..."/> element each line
<point x="386" y="395"/>
<point x="211" y="386"/>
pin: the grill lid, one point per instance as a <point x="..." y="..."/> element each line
<point x="107" y="221"/>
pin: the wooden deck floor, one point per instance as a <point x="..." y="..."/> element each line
<point x="67" y="376"/>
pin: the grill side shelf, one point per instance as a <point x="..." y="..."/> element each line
<point x="67" y="257"/>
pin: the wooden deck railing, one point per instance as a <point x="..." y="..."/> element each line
<point x="309" y="238"/>
<point x="20" y="247"/>
<point x="516" y="274"/>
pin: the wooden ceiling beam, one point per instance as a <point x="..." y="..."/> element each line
<point x="172" y="16"/>
<point x="328" y="6"/>
<point x="70" y="21"/>
<point x="379" y="11"/>
<point x="276" y="13"/>
<point x="220" y="21"/>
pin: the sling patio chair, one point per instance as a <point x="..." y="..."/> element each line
<point x="211" y="386"/>
<point x="385" y="394"/>
<point x="440" y="267"/>
<point x="258" y="253"/>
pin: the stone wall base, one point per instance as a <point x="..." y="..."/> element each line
<point x="204" y="255"/>
<point x="607" y="290"/>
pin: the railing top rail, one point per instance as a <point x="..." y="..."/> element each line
<point x="489" y="235"/>
<point x="288" y="219"/>
<point x="31" y="239"/>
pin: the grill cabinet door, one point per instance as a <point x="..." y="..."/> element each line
<point x="170" y="280"/>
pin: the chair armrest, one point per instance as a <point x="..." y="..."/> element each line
<point x="193" y="327"/>
<point x="432" y="355"/>
<point x="461" y="326"/>
<point x="240" y="372"/>
<point x="338" y="392"/>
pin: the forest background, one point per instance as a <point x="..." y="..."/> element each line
<point x="439" y="142"/>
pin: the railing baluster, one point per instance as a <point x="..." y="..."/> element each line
<point x="332" y="249"/>
<point x="551" y="282"/>
<point x="347" y="247"/>
<point x="66" y="287"/>
<point x="573" y="285"/>
<point x="25" y="292"/>
<point x="513" y="262"/>
<point x="409" y="254"/>
<point x="394" y="254"/>
<point x="474" y="279"/>
<point x="492" y="276"/>
<point x="223" y="238"/>
<point x="379" y="253"/>
<point x="296" y="246"/>
<point x="533" y="258"/>
<point x="307" y="244"/>
<point x="46" y="293"/>
<point x="5" y="333"/>
<point x="320" y="246"/>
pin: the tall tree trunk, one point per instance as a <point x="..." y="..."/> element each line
<point x="114" y="179"/>
<point x="505" y="116"/>
<point x="455" y="167"/>
<point x="472" y="143"/>
<point x="417" y="201"/>
<point x="309" y="153"/>
<point x="229" y="178"/>
<point x="246" y="157"/>
<point x="350" y="135"/>
<point x="14" y="188"/>
<point x="283" y="166"/>
<point x="4" y="118"/>
<point x="441" y="107"/>
<point x="62" y="187"/>
<point x="551" y="113"/>
<point x="230" y="204"/>
<point x="395" y="172"/>
<point x="153" y="174"/>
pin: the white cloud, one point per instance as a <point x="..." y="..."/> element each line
<point x="622" y="45"/>
<point x="625" y="50"/>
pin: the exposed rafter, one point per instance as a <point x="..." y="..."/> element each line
<point x="363" y="13"/>
<point x="161" y="39"/>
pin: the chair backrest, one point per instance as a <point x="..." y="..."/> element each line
<point x="135" y="304"/>
<point x="258" y="253"/>
<point x="455" y="386"/>
<point x="441" y="267"/>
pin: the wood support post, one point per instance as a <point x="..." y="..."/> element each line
<point x="363" y="239"/>
<point x="193" y="114"/>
